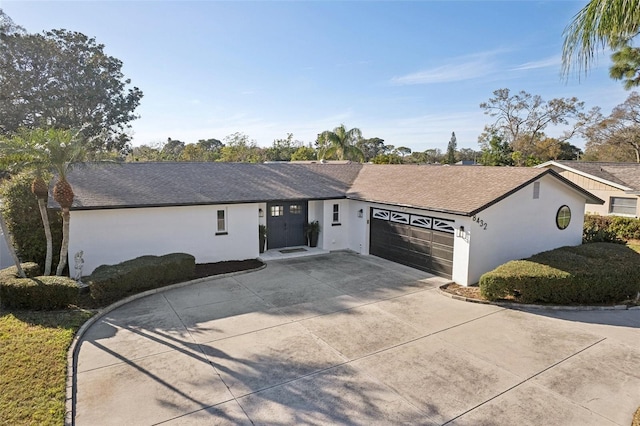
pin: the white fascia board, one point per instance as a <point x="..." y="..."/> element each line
<point x="584" y="174"/>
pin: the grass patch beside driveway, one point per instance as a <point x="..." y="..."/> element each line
<point x="33" y="364"/>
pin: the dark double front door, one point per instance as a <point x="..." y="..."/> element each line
<point x="285" y="224"/>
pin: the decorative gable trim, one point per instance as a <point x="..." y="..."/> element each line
<point x="400" y="217"/>
<point x="427" y="222"/>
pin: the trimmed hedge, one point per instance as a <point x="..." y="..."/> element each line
<point x="586" y="274"/>
<point x="35" y="292"/>
<point x="20" y="210"/>
<point x="30" y="269"/>
<point x="615" y="229"/>
<point x="108" y="282"/>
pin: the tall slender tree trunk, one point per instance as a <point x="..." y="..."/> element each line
<point x="64" y="249"/>
<point x="12" y="251"/>
<point x="47" y="232"/>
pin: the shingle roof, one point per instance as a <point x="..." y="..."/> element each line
<point x="455" y="189"/>
<point x="625" y="174"/>
<point x="163" y="184"/>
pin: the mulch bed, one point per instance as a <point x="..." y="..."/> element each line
<point x="217" y="268"/>
<point x="472" y="292"/>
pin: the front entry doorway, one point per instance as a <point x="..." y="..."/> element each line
<point x="285" y="224"/>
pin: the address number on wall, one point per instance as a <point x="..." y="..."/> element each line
<point x="480" y="222"/>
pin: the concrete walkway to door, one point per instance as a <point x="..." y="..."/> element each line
<point x="349" y="339"/>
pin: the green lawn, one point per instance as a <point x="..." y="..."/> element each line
<point x="635" y="245"/>
<point x="33" y="365"/>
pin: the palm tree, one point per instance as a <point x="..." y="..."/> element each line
<point x="600" y="24"/>
<point x="342" y="143"/>
<point x="56" y="150"/>
<point x="41" y="190"/>
<point x="64" y="149"/>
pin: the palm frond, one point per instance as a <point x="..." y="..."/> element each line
<point x="600" y="24"/>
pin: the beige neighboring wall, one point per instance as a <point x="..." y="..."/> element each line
<point x="599" y="189"/>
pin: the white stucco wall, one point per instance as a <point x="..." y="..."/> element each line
<point x="335" y="236"/>
<point x="112" y="236"/>
<point x="358" y="235"/>
<point x="461" y="251"/>
<point x="520" y="226"/>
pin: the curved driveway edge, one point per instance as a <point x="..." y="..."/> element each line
<point x="73" y="348"/>
<point x="350" y="339"/>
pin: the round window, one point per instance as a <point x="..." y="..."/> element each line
<point x="563" y="217"/>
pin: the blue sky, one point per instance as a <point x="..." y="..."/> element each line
<point x="408" y="72"/>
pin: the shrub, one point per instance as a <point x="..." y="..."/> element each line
<point x="30" y="269"/>
<point x="615" y="229"/>
<point x="35" y="293"/>
<point x="110" y="282"/>
<point x="586" y="274"/>
<point x="23" y="219"/>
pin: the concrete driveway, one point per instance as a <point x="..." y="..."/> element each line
<point x="349" y="339"/>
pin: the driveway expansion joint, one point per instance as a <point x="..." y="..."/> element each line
<point x="527" y="380"/>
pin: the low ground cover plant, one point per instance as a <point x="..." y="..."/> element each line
<point x="587" y="274"/>
<point x="111" y="282"/>
<point x="35" y="292"/>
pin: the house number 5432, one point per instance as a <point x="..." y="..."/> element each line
<point x="480" y="222"/>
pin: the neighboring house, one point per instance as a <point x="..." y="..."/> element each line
<point x="456" y="222"/>
<point x="5" y="256"/>
<point x="618" y="184"/>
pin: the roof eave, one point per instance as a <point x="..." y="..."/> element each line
<point x="585" y="174"/>
<point x="409" y="206"/>
<point x="207" y="203"/>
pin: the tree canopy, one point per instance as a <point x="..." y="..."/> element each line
<point x="341" y="143"/>
<point x="521" y="120"/>
<point x="64" y="79"/>
<point x="616" y="137"/>
<point x="452" y="146"/>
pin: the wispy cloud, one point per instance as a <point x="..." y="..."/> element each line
<point x="552" y="61"/>
<point x="457" y="69"/>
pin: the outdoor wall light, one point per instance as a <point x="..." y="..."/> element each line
<point x="461" y="231"/>
<point x="260" y="213"/>
<point x="360" y="213"/>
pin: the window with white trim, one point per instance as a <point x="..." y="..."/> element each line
<point x="623" y="205"/>
<point x="221" y="222"/>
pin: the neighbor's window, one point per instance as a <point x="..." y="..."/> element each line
<point x="277" y="211"/>
<point x="620" y="205"/>
<point x="563" y="217"/>
<point x="295" y="209"/>
<point x="336" y="213"/>
<point x="221" y="222"/>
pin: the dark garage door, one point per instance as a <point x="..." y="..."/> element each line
<point x="422" y="242"/>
